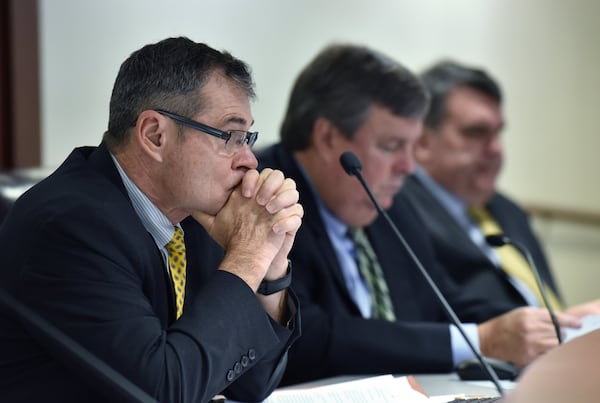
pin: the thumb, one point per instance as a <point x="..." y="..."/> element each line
<point x="208" y="222"/>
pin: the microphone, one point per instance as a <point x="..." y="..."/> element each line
<point x="501" y="240"/>
<point x="353" y="167"/>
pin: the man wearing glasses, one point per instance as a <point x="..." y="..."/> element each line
<point x="113" y="248"/>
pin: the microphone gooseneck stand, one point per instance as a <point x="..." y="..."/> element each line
<point x="353" y="167"/>
<point x="501" y="240"/>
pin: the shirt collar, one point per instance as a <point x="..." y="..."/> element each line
<point x="155" y="222"/>
<point x="334" y="225"/>
<point x="452" y="203"/>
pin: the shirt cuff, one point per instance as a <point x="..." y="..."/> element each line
<point x="460" y="348"/>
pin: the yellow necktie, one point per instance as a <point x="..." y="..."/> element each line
<point x="511" y="260"/>
<point x="177" y="263"/>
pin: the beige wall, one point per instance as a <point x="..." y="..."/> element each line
<point x="544" y="52"/>
<point x="574" y="253"/>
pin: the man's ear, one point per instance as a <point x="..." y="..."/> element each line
<point x="324" y="138"/>
<point x="422" y="149"/>
<point x="150" y="134"/>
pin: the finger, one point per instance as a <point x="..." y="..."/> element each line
<point x="283" y="200"/>
<point x="288" y="225"/>
<point x="208" y="223"/>
<point x="288" y="220"/>
<point x="250" y="182"/>
<point x="547" y="342"/>
<point x="567" y="320"/>
<point x="206" y="220"/>
<point x="271" y="181"/>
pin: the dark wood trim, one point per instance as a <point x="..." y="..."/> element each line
<point x="5" y="113"/>
<point x="19" y="85"/>
<point x="26" y="88"/>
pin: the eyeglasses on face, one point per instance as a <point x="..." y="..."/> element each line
<point x="234" y="139"/>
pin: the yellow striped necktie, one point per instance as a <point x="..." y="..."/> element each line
<point x="177" y="267"/>
<point x="511" y="260"/>
<point x="373" y="275"/>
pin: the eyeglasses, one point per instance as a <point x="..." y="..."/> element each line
<point x="234" y="139"/>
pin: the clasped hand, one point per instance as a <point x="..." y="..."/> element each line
<point x="257" y="226"/>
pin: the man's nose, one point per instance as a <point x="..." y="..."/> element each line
<point x="405" y="162"/>
<point x="494" y="144"/>
<point x="245" y="158"/>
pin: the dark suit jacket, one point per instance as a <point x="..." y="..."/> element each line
<point x="462" y="258"/>
<point x="336" y="339"/>
<point x="75" y="251"/>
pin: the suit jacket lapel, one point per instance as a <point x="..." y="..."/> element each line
<point x="101" y="160"/>
<point x="442" y="225"/>
<point x="509" y="225"/>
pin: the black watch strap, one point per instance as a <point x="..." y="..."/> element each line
<point x="271" y="287"/>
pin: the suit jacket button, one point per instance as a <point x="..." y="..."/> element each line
<point x="251" y="354"/>
<point x="237" y="368"/>
<point x="230" y="375"/>
<point x="245" y="360"/>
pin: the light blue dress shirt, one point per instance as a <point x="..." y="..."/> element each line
<point x="346" y="254"/>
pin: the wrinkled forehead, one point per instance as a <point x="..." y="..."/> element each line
<point x="226" y="100"/>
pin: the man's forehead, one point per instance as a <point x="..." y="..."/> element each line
<point x="225" y="100"/>
<point x="466" y="104"/>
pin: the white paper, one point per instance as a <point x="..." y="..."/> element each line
<point x="589" y="323"/>
<point x="379" y="389"/>
<point x="505" y="384"/>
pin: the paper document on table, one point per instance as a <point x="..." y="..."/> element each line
<point x="378" y="389"/>
<point x="589" y="323"/>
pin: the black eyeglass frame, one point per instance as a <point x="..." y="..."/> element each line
<point x="249" y="137"/>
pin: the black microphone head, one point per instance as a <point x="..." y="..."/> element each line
<point x="497" y="240"/>
<point x="350" y="163"/>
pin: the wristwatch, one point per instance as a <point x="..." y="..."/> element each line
<point x="271" y="287"/>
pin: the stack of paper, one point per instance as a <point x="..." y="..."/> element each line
<point x="378" y="389"/>
<point x="588" y="324"/>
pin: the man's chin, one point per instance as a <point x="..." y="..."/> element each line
<point x="481" y="197"/>
<point x="386" y="202"/>
<point x="367" y="218"/>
